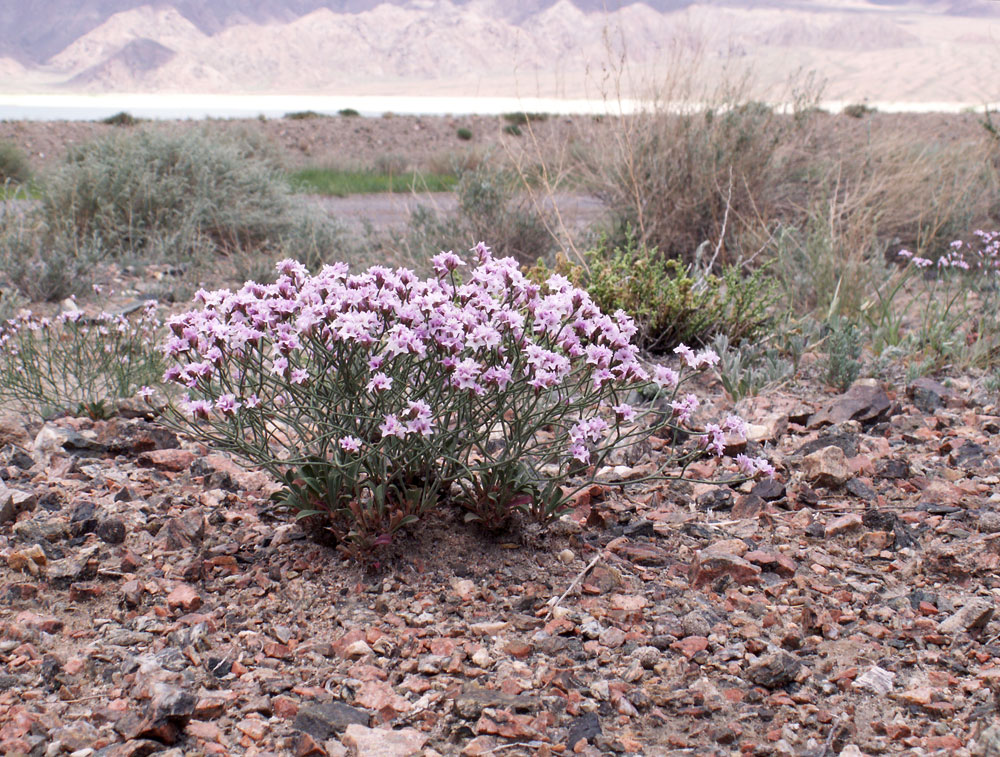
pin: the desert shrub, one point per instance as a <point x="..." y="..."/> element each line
<point x="160" y="196"/>
<point x="521" y="118"/>
<point x="842" y="353"/>
<point x="39" y="265"/>
<point x="348" y="112"/>
<point x="513" y="130"/>
<point x="374" y="397"/>
<point x="464" y="134"/>
<point x="304" y="115"/>
<point x="858" y="110"/>
<point x="747" y="368"/>
<point x="14" y="167"/>
<point x="122" y="118"/>
<point x="78" y="363"/>
<point x="390" y="164"/>
<point x="491" y="204"/>
<point x="667" y="302"/>
<point x="682" y="179"/>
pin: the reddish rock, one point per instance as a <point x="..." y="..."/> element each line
<point x="306" y="746"/>
<point x="277" y="651"/>
<point x="185" y="530"/>
<point x="175" y="460"/>
<point x="948" y="743"/>
<point x="184" y="597"/>
<point x="517" y="649"/>
<point x="284" y="707"/>
<point x="919" y="695"/>
<point x="252" y="728"/>
<point x="507" y="725"/>
<point x="690" y="645"/>
<point x="201" y="729"/>
<point x="381" y="742"/>
<point x="80" y="592"/>
<point x="896" y="731"/>
<point x="775" y="562"/>
<point x="826" y="467"/>
<point x="709" y="566"/>
<point x="843" y="524"/>
<point x="44" y="623"/>
<point x="379" y="696"/>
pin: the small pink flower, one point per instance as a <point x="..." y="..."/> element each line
<point x="299" y="376"/>
<point x="579" y="451"/>
<point x="144" y="392"/>
<point x="392" y="427"/>
<point x="445" y="262"/>
<point x="714" y="440"/>
<point x="685" y="407"/>
<point x="687" y="355"/>
<point x="198" y="408"/>
<point x="227" y="404"/>
<point x="764" y="466"/>
<point x="350" y="443"/>
<point x="624" y="412"/>
<point x="379" y="383"/>
<point x="706" y="357"/>
<point x="745" y="464"/>
<point x="665" y="377"/>
<point x="735" y="425"/>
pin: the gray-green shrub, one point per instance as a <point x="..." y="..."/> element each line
<point x="164" y="196"/>
<point x="491" y="205"/>
<point x="13" y="164"/>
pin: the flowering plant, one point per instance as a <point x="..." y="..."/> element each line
<point x="76" y="362"/>
<point x="372" y="396"/>
<point x="947" y="319"/>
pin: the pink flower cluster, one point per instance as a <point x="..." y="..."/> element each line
<point x="480" y="336"/>
<point x="965" y="256"/>
<point x="385" y="365"/>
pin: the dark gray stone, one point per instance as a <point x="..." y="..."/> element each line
<point x="893" y="469"/>
<point x="848" y="443"/>
<point x="769" y="489"/>
<point x="111" y="530"/>
<point x="865" y="402"/>
<point x="83" y="519"/>
<point x="969" y="456"/>
<point x="860" y="489"/>
<point x="10" y="682"/>
<point x="775" y="670"/>
<point x="322" y="721"/>
<point x="716" y="499"/>
<point x="587" y="726"/>
<point x="928" y="395"/>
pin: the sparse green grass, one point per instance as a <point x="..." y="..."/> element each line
<point x="9" y="191"/>
<point x="304" y="115"/>
<point x="340" y="183"/>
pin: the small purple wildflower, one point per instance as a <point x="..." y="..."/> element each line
<point x="350" y="443"/>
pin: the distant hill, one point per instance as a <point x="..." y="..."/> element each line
<point x="925" y="48"/>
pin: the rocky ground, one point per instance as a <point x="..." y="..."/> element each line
<point x="154" y="602"/>
<point x="388" y="143"/>
<point x="431" y="143"/>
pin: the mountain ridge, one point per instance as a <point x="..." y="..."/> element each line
<point x="479" y="46"/>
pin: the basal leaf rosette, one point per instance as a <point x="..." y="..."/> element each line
<point x="375" y="396"/>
